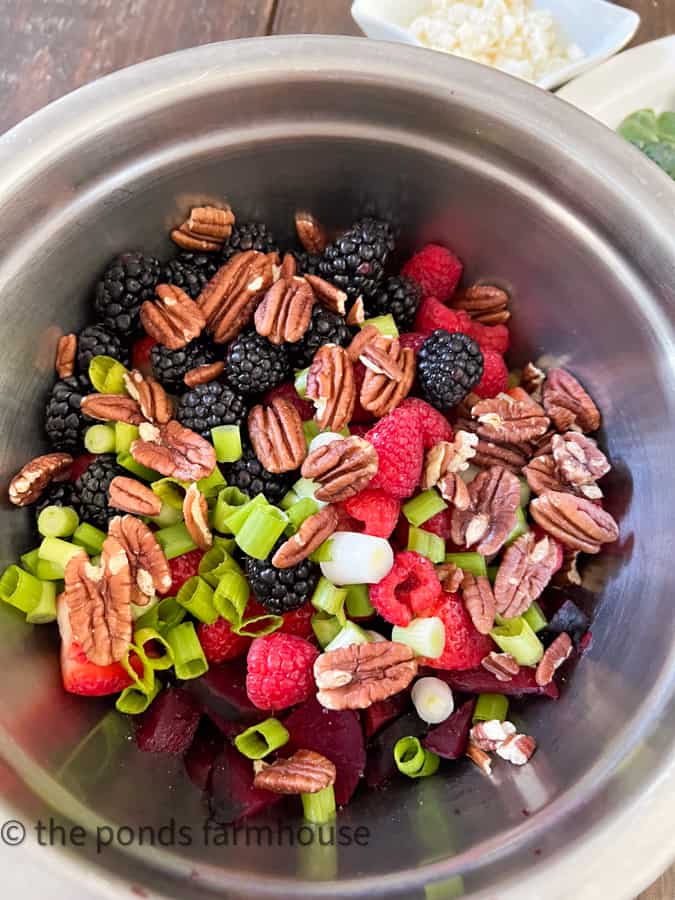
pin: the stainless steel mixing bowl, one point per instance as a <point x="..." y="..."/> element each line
<point x="530" y="192"/>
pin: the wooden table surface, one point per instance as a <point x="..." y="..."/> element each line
<point x="50" y="47"/>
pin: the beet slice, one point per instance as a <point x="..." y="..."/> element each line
<point x="233" y="796"/>
<point x="449" y="739"/>
<point x="222" y="690"/>
<point x="169" y="725"/>
<point x="381" y="766"/>
<point x="230" y="728"/>
<point x="568" y="618"/>
<point x="384" y="711"/>
<point x="199" y="759"/>
<point x="480" y="681"/>
<point x="335" y="734"/>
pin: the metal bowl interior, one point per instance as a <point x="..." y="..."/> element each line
<point x="530" y="193"/>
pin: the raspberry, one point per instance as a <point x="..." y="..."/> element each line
<point x="412" y="339"/>
<point x="220" y="643"/>
<point x="465" y="647"/>
<point x="79" y="465"/>
<point x="140" y="354"/>
<point x="495" y="378"/>
<point x="182" y="568"/>
<point x="280" y="671"/>
<point x="440" y="524"/>
<point x="288" y="392"/>
<point x="436" y="269"/>
<point x="376" y="512"/>
<point x="490" y="337"/>
<point x="411" y="588"/>
<point x="432" y="315"/>
<point x="434" y="426"/>
<point x="400" y="450"/>
<point x="299" y="622"/>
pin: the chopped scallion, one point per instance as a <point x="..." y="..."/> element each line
<point x="20" y="589"/>
<point x="535" y="617"/>
<point x="231" y="596"/>
<point x="89" y="538"/>
<point x="227" y="442"/>
<point x="261" y="530"/>
<point x="413" y="760"/>
<point x="326" y="628"/>
<point x="196" y="595"/>
<point x="238" y="516"/>
<point x="126" y="460"/>
<point x="175" y="540"/>
<point x="491" y="706"/>
<point x="384" y="324"/>
<point x="426" y="637"/>
<point x="328" y="598"/>
<point x="45" y="610"/>
<point x="298" y="512"/>
<point x="517" y="638"/>
<point x="358" y="603"/>
<point x="426" y="544"/>
<point x="262" y="739"/>
<point x="229" y="499"/>
<point x="473" y="563"/>
<point x="133" y="701"/>
<point x="319" y="807"/>
<point x="423" y="507"/>
<point x="301" y="382"/>
<point x="107" y="375"/>
<point x="125" y="435"/>
<point x="57" y="551"/>
<point x="351" y="633"/>
<point x="521" y="527"/>
<point x="189" y="659"/>
<point x="57" y="521"/>
<point x="100" y="439"/>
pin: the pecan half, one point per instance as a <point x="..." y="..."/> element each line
<point x="450" y="577"/>
<point x="455" y="491"/>
<point x="30" y="481"/>
<point x="568" y="574"/>
<point x="491" y="516"/>
<point x="381" y="357"/>
<point x="485" y="303"/>
<point x="285" y="312"/>
<point x="99" y="603"/>
<point x="277" y="435"/>
<point x="204" y="374"/>
<point x="330" y="384"/>
<point x="311" y="534"/>
<point x="517" y="749"/>
<point x="361" y="339"/>
<point x="151" y="397"/>
<point x="542" y="475"/>
<point x="495" y="453"/>
<point x="357" y="314"/>
<point x="532" y="380"/>
<point x="479" y="601"/>
<point x="132" y="496"/>
<point x="488" y="736"/>
<point x="306" y="772"/>
<point x="502" y="665"/>
<point x="174" y="451"/>
<point x="328" y="294"/>
<point x="513" y="421"/>
<point x="524" y="572"/>
<point x="112" y="408"/>
<point x="289" y="266"/>
<point x="207" y="228"/>
<point x="359" y="675"/>
<point x="554" y="656"/>
<point x="311" y="233"/>
<point x="229" y="300"/>
<point x="574" y="521"/>
<point x="447" y="458"/>
<point x="386" y="384"/>
<point x="174" y="319"/>
<point x="567" y="403"/>
<point x="342" y="468"/>
<point x="149" y="569"/>
<point x="479" y="758"/>
<point x="578" y="459"/>
<point x="196" y="515"/>
<point x="66" y="349"/>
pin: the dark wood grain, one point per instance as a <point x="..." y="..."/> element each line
<point x="658" y="19"/>
<point x="314" y="17"/>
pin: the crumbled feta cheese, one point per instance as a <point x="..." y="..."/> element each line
<point x="507" y="34"/>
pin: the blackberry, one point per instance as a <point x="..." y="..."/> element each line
<point x="253" y="365"/>
<point x="398" y="296"/>
<point x="91" y="490"/>
<point x="355" y="261"/>
<point x="95" y="340"/>
<point x="169" y="366"/>
<point x="448" y="367"/>
<point x="307" y="263"/>
<point x="190" y="271"/>
<point x="281" y="590"/>
<point x="251" y="478"/>
<point x="249" y="236"/>
<point x="326" y="327"/>
<point x="208" y="405"/>
<point x="65" y="423"/>
<point x="58" y="493"/>
<point x="127" y="282"/>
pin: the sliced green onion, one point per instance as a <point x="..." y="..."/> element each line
<point x="384" y="324"/>
<point x="311" y="430"/>
<point x="143" y="636"/>
<point x="212" y="485"/>
<point x="491" y="706"/>
<point x="227" y="545"/>
<point x="473" y="563"/>
<point x="432" y="699"/>
<point x="424" y="507"/>
<point x="525" y="493"/>
<point x="196" y="595"/>
<point x="288" y="500"/>
<point x="215" y="563"/>
<point x="300" y="382"/>
<point x="57" y="521"/>
<point x="133" y="701"/>
<point x="231" y="596"/>
<point x="259" y="626"/>
<point x="227" y="442"/>
<point x="323" y="552"/>
<point x="328" y="598"/>
<point x="20" y="589"/>
<point x="521" y="527"/>
<point x="138" y="612"/>
<point x="126" y="460"/>
<point x="45" y="610"/>
<point x="426" y="544"/>
<point x="146" y="681"/>
<point x="349" y="634"/>
<point x="148" y="619"/>
<point x="261" y="530"/>
<point x="189" y="659"/>
<point x="413" y="760"/>
<point x="238" y="516"/>
<point x="229" y="499"/>
<point x="448" y="889"/>
<point x="30" y="560"/>
<point x="168" y="516"/>
<point x="49" y="571"/>
<point x="299" y="511"/>
<point x="99" y="439"/>
<point x="262" y="739"/>
<point x="426" y="637"/>
<point x="175" y="540"/>
<point x="57" y="551"/>
<point x="107" y="375"/>
<point x="517" y="638"/>
<point x="358" y="603"/>
<point x="169" y="614"/>
<point x="319" y="807"/>
<point x="326" y="628"/>
<point x="170" y="491"/>
<point x="492" y="573"/>
<point x="535" y="617"/>
<point x="89" y="538"/>
<point x="125" y="435"/>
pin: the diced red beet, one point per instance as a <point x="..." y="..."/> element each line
<point x="337" y="735"/>
<point x="586" y="641"/>
<point x="384" y="711"/>
<point x="222" y="690"/>
<point x="199" y="759"/>
<point x="381" y="767"/>
<point x="449" y="739"/>
<point x="480" y="681"/>
<point x="233" y="796"/>
<point x="228" y="727"/>
<point x="170" y="724"/>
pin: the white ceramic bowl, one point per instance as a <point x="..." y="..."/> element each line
<point x="600" y="28"/>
